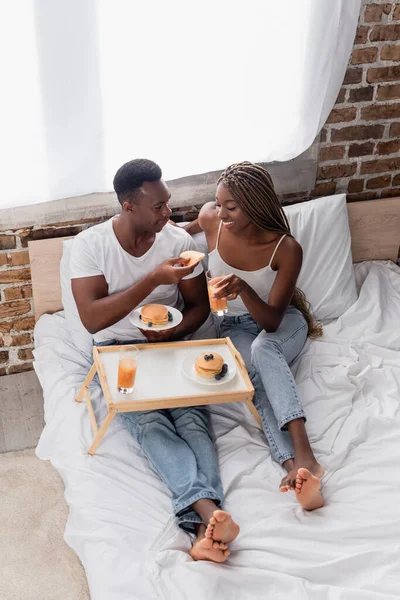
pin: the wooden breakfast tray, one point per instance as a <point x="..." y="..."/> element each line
<point x="160" y="381"/>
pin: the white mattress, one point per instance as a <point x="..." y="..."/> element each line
<point x="120" y="521"/>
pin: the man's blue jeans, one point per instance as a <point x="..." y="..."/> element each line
<point x="178" y="445"/>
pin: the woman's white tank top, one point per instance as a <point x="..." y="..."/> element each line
<point x="261" y="281"/>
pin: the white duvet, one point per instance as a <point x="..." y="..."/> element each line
<point x="120" y="521"/>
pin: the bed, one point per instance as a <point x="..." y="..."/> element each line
<point x="120" y="521"/>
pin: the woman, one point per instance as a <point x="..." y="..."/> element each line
<point x="268" y="318"/>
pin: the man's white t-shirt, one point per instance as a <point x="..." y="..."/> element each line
<point x="97" y="251"/>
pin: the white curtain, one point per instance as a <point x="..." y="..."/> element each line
<point x="90" y="84"/>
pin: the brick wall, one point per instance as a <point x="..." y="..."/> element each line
<point x="359" y="155"/>
<point x="360" y="144"/>
<point x="16" y="310"/>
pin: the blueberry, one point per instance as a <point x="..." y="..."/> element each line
<point x="207" y="357"/>
<point x="222" y="374"/>
<point x="225" y="367"/>
<point x="170" y="317"/>
<point x="218" y="377"/>
<point x="140" y="317"/>
<point x="211" y="356"/>
<point x="149" y="324"/>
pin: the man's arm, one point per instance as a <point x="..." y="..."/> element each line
<point x="98" y="310"/>
<point x="208" y="219"/>
<point x="197" y="308"/>
<point x="193" y="227"/>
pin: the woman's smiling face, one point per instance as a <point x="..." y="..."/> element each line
<point x="232" y="217"/>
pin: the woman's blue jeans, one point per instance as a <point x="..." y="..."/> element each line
<point x="268" y="357"/>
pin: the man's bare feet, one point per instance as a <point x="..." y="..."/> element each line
<point x="289" y="481"/>
<point x="222" y="528"/>
<point x="206" y="549"/>
<point x="308" y="490"/>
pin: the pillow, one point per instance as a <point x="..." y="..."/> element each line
<point x="82" y="339"/>
<point x="327" y="278"/>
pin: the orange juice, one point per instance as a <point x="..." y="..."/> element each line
<point x="126" y="375"/>
<point x="217" y="305"/>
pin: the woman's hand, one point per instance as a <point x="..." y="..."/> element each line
<point x="229" y="287"/>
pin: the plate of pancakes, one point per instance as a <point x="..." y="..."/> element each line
<point x="209" y="368"/>
<point x="156" y="317"/>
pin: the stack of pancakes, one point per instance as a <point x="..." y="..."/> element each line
<point x="156" y="314"/>
<point x="209" y="368"/>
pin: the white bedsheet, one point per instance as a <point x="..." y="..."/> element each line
<point x="120" y="521"/>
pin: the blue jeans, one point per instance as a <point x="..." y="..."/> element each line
<point x="267" y="357"/>
<point x="178" y="445"/>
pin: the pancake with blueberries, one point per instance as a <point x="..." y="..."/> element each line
<point x="210" y="365"/>
<point x="155" y="315"/>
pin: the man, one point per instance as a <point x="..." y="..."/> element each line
<point x="130" y="261"/>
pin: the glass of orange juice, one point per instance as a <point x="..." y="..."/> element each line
<point x="218" y="306"/>
<point x="127" y="367"/>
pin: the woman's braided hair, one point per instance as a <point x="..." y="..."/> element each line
<point x="252" y="188"/>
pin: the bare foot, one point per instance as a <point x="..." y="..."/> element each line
<point x="308" y="490"/>
<point x="206" y="549"/>
<point x="222" y="528"/>
<point x="289" y="481"/>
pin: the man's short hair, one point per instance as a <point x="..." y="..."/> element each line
<point x="132" y="175"/>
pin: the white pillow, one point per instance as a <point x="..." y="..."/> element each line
<point x="82" y="339"/>
<point x="327" y="278"/>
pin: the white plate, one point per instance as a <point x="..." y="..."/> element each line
<point x="176" y="314"/>
<point x="190" y="372"/>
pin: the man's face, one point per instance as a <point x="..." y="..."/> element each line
<point x="150" y="211"/>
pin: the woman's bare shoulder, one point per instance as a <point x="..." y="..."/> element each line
<point x="208" y="218"/>
<point x="291" y="244"/>
<point x="289" y="251"/>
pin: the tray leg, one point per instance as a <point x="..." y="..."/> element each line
<point x="254" y="412"/>
<point x="86" y="383"/>
<point x="100" y="434"/>
<point x="92" y="416"/>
